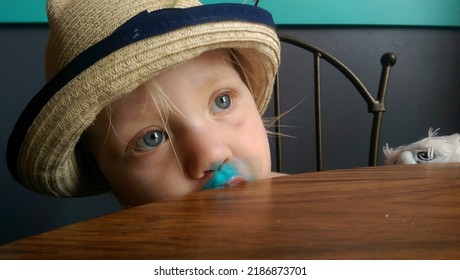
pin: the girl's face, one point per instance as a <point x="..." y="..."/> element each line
<point x="147" y="154"/>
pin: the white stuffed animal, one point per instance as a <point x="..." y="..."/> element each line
<point x="428" y="150"/>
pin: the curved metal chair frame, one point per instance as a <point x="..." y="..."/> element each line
<point x="375" y="106"/>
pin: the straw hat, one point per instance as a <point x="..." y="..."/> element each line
<point x="100" y="50"/>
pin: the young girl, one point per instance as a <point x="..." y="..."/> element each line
<point x="149" y="99"/>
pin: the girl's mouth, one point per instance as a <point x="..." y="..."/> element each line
<point x="226" y="176"/>
<point x="236" y="181"/>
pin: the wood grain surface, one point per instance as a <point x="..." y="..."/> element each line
<point x="390" y="212"/>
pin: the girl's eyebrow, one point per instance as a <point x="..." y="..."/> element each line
<point x="135" y="110"/>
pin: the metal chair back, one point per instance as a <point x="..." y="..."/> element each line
<point x="376" y="107"/>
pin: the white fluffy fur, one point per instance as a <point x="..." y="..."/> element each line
<point x="428" y="150"/>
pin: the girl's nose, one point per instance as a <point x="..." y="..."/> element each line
<point x="202" y="149"/>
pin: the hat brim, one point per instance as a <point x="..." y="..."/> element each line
<point x="41" y="148"/>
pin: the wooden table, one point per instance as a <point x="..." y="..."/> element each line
<point x="391" y="212"/>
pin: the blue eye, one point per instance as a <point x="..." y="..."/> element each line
<point x="150" y="140"/>
<point x="221" y="103"/>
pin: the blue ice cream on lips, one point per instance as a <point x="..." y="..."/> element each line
<point x="227" y="175"/>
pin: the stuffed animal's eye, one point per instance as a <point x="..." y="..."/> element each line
<point x="425" y="155"/>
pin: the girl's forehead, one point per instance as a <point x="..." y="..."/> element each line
<point x="133" y="107"/>
<point x="201" y="74"/>
<point x="211" y="64"/>
<point x="138" y="98"/>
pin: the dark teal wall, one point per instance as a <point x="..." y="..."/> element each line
<point x="311" y="12"/>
